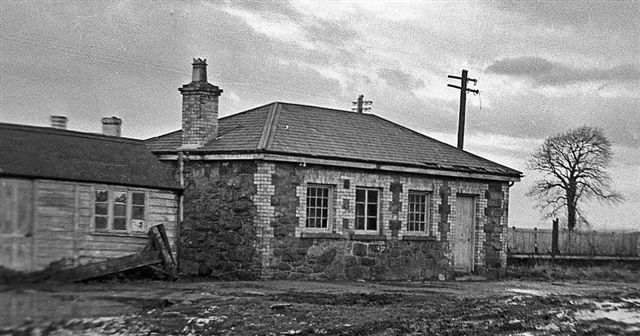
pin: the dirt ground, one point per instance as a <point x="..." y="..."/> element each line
<point x="317" y="308"/>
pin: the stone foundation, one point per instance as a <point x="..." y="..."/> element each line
<point x="340" y="259"/>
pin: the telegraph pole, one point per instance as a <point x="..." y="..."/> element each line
<point x="361" y="104"/>
<point x="463" y="102"/>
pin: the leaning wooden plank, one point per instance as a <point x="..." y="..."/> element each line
<point x="109" y="266"/>
<point x="165" y="254"/>
<point x="165" y="239"/>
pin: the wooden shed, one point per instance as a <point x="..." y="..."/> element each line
<point x="76" y="197"/>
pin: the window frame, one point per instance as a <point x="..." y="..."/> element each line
<point x="427" y="213"/>
<point x="330" y="209"/>
<point x="110" y="216"/>
<point x="366" y="210"/>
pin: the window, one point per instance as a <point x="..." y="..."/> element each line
<point x="138" y="211"/>
<point x="418" y="220"/>
<point x="119" y="211"/>
<point x="318" y="206"/>
<point x="367" y="209"/>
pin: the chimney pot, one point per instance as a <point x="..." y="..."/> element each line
<point x="199" y="70"/>
<point x="59" y="122"/>
<point x="111" y="126"/>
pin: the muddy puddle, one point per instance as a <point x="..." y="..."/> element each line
<point x="18" y="307"/>
<point x="626" y="311"/>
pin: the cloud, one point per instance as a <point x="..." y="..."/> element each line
<point x="545" y="72"/>
<point x="619" y="16"/>
<point x="400" y="80"/>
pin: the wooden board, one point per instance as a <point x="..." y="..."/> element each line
<point x="464" y="234"/>
<point x="16" y="224"/>
<point x="109" y="266"/>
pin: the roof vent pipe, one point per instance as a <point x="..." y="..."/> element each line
<point x="59" y="122"/>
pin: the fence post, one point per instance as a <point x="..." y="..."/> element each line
<point x="554" y="239"/>
<point x="535" y="240"/>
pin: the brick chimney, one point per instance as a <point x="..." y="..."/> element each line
<point x="59" y="122"/>
<point x="111" y="126"/>
<point x="199" y="108"/>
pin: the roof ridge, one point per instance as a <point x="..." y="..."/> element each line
<point x="320" y="107"/>
<point x="79" y="134"/>
<point x="161" y="135"/>
<point x="274" y="124"/>
<point x="247" y="111"/>
<point x="270" y="123"/>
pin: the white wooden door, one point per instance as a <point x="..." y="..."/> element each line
<point x="16" y="224"/>
<point x="464" y="234"/>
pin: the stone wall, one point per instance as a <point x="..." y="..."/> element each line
<point x="393" y="252"/>
<point x="495" y="230"/>
<point x="218" y="235"/>
<point x="248" y="219"/>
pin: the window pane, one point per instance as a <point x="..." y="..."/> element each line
<point x="101" y="223"/>
<point x="102" y="195"/>
<point x="137" y="198"/>
<point x="120" y="197"/>
<point x="360" y="194"/>
<point x="119" y="210"/>
<point x="137" y="225"/>
<point x="372" y="210"/>
<point x="372" y="196"/>
<point x="372" y="223"/>
<point x="137" y="212"/>
<point x="120" y="224"/>
<point x="102" y="209"/>
<point x="359" y="223"/>
<point x="311" y="191"/>
<point x="360" y="210"/>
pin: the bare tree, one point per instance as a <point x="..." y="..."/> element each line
<point x="574" y="166"/>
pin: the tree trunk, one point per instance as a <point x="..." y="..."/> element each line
<point x="571" y="215"/>
<point x="571" y="205"/>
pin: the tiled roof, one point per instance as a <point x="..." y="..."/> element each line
<point x="311" y="131"/>
<point x="43" y="152"/>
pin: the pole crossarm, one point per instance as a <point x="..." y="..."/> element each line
<point x="463" y="101"/>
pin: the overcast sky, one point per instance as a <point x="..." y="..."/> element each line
<point x="542" y="68"/>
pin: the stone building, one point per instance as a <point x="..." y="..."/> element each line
<point x="74" y="198"/>
<point x="294" y="191"/>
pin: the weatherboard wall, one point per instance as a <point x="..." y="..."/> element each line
<point x="61" y="227"/>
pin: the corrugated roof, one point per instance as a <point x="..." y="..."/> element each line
<point x="328" y="133"/>
<point x="43" y="152"/>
